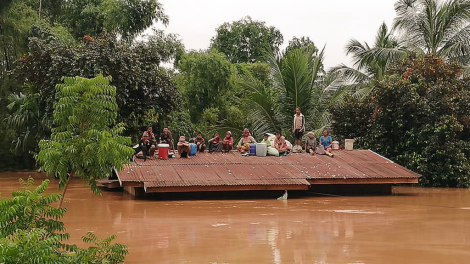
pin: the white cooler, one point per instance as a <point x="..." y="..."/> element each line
<point x="261" y="149"/>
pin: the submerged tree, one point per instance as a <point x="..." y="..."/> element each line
<point x="31" y="232"/>
<point x="85" y="141"/>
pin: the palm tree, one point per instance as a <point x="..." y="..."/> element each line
<point x="295" y="84"/>
<point x="369" y="63"/>
<point x="29" y="119"/>
<point x="439" y="28"/>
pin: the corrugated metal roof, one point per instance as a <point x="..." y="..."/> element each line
<point x="229" y="169"/>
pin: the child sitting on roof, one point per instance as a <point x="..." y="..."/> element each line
<point x="271" y="151"/>
<point x="200" y="143"/>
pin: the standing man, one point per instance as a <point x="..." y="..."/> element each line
<point x="298" y="127"/>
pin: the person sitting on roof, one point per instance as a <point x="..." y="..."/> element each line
<point x="271" y="151"/>
<point x="215" y="143"/>
<point x="280" y="144"/>
<point x="310" y="144"/>
<point x="183" y="147"/>
<point x="245" y="141"/>
<point x="152" y="140"/>
<point x="325" y="141"/>
<point x="228" y="142"/>
<point x="200" y="143"/>
<point x="144" y="146"/>
<point x="166" y="138"/>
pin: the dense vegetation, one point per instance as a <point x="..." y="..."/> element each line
<point x="405" y="95"/>
<point x="31" y="232"/>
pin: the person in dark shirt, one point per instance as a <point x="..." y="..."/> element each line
<point x="200" y="143"/>
<point x="144" y="146"/>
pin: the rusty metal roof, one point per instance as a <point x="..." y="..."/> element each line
<point x="230" y="169"/>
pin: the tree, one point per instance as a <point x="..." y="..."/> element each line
<point x="85" y="141"/>
<point x="295" y="79"/>
<point x="246" y="40"/>
<point x="207" y="80"/>
<point x="31" y="232"/>
<point x="145" y="91"/>
<point x="369" y="63"/>
<point x="128" y="18"/>
<point x="418" y="116"/>
<point x="303" y="42"/>
<point x="436" y="27"/>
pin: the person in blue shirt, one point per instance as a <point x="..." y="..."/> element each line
<point x="325" y="141"/>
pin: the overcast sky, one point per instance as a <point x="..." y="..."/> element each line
<point x="330" y="22"/>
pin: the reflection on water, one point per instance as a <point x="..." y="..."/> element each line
<point x="415" y="225"/>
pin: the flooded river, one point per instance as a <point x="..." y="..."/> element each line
<point x="415" y="225"/>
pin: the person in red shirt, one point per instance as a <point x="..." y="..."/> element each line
<point x="215" y="143"/>
<point x="228" y="142"/>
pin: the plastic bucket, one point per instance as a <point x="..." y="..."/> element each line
<point x="193" y="149"/>
<point x="261" y="149"/>
<point x="348" y="144"/>
<point x="320" y="150"/>
<point x="252" y="149"/>
<point x="163" y="150"/>
<point x="335" y="145"/>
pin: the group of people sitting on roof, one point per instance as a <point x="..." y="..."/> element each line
<point x="276" y="144"/>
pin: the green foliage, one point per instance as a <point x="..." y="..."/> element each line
<point x="85" y="141"/>
<point x="435" y="27"/>
<point x="30" y="232"/>
<point x="128" y="18"/>
<point x="294" y="77"/>
<point x="418" y="116"/>
<point x="30" y="208"/>
<point x="369" y="64"/>
<point x="246" y="40"/>
<point x="207" y="80"/>
<point x="303" y="42"/>
<point x="144" y="91"/>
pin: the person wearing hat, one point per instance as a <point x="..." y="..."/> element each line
<point x="183" y="147"/>
<point x="245" y="141"/>
<point x="144" y="145"/>
<point x="310" y="143"/>
<point x="228" y="142"/>
<point x="215" y="143"/>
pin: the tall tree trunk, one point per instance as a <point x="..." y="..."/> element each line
<point x="65" y="190"/>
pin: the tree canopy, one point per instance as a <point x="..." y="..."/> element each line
<point x="246" y="40"/>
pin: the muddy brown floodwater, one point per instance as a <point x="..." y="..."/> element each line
<point x="415" y="225"/>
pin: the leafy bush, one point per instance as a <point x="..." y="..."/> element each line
<point x="418" y="116"/>
<point x="30" y="232"/>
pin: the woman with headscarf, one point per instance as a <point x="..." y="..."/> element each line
<point x="245" y="141"/>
